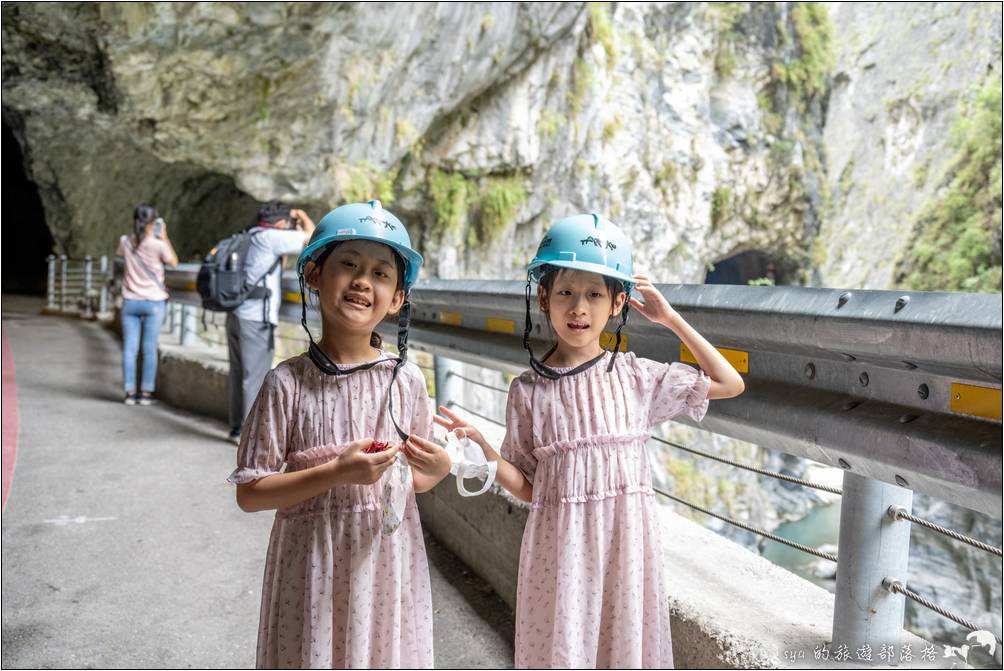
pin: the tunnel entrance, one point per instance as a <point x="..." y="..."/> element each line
<point x="26" y="238"/>
<point x="753" y="266"/>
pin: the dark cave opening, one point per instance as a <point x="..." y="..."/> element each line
<point x="742" y="268"/>
<point x="26" y="237"/>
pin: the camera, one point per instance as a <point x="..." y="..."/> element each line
<point x="158" y="226"/>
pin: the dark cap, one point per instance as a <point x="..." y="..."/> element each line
<point x="273" y="211"/>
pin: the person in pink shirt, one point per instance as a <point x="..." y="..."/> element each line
<point x="337" y="443"/>
<point x="144" y="298"/>
<point x="590" y="591"/>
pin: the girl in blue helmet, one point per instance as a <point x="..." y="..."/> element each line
<point x="324" y="445"/>
<point x="590" y="590"/>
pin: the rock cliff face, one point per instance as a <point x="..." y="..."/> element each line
<point x="696" y="126"/>
<point x="905" y="76"/>
<point x="814" y="138"/>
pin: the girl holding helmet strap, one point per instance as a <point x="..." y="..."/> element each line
<point x="590" y="590"/>
<point x="340" y="590"/>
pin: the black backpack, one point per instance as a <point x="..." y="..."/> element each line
<point x="220" y="281"/>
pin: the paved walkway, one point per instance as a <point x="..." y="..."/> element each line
<point x="122" y="544"/>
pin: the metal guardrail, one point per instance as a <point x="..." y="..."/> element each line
<point x="897" y="389"/>
<point x="902" y="388"/>
<point x="77" y="285"/>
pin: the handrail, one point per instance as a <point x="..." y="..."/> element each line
<point x="899" y="387"/>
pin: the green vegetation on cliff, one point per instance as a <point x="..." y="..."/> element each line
<point x="489" y="203"/>
<point x="957" y="235"/>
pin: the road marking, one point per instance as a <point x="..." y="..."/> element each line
<point x="10" y="416"/>
<point x="65" y="520"/>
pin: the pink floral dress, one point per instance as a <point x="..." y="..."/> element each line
<point x="591" y="591"/>
<point x="337" y="593"/>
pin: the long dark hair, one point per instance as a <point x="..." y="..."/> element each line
<point x="142" y="216"/>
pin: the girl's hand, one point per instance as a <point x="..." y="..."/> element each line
<point x="355" y="467"/>
<point x="457" y="424"/>
<point x="427" y="458"/>
<point x="655" y="308"/>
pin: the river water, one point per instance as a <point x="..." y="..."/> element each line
<point x="821" y="526"/>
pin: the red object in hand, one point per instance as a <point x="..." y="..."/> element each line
<point x="377" y="446"/>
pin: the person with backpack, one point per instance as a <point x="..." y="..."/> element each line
<point x="279" y="230"/>
<point x="144" y="298"/>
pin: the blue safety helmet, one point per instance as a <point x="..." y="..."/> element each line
<point x="363" y="221"/>
<point x="589" y="242"/>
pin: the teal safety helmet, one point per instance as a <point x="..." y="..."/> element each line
<point x="363" y="221"/>
<point x="589" y="242"/>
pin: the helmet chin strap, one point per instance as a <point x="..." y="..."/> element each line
<point x="328" y="367"/>
<point x="551" y="373"/>
<point x="617" y="334"/>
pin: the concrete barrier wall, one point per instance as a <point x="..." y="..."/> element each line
<point x="730" y="608"/>
<point x="194" y="378"/>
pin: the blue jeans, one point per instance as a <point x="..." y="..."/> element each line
<point x="136" y="316"/>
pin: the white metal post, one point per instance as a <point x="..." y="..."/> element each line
<point x="872" y="546"/>
<point x="189" y="324"/>
<point x="103" y="294"/>
<point x="88" y="313"/>
<point x="62" y="282"/>
<point x="51" y="289"/>
<point x="447" y="385"/>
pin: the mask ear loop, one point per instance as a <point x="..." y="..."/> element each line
<point x="617" y="333"/>
<point x="404" y="317"/>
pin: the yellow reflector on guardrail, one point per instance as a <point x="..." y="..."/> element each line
<point x="451" y="318"/>
<point x="969" y="399"/>
<point x="189" y="286"/>
<point x="740" y="360"/>
<point x="500" y="325"/>
<point x="607" y="339"/>
<point x="291" y="297"/>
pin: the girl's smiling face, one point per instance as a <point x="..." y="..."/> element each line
<point x="578" y="305"/>
<point x="359" y="283"/>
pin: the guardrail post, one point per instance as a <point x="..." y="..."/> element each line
<point x="169" y="317"/>
<point x="176" y="319"/>
<point x="871" y="546"/>
<point x="88" y="313"/>
<point x="51" y="288"/>
<point x="189" y="325"/>
<point x="103" y="294"/>
<point x="447" y="385"/>
<point x="62" y="282"/>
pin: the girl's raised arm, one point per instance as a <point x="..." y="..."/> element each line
<point x="725" y="381"/>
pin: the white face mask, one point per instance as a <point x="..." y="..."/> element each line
<point x="467" y="460"/>
<point x="397" y="483"/>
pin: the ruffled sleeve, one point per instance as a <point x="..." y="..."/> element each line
<point x="264" y="436"/>
<point x="673" y="389"/>
<point x="517" y="448"/>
